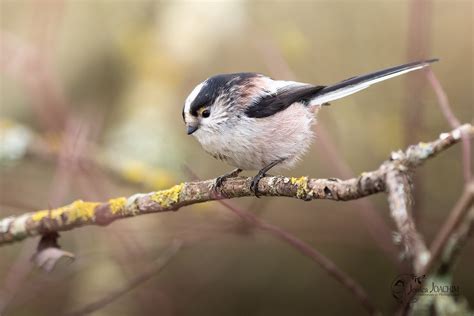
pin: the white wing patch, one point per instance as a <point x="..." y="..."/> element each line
<point x="279" y="84"/>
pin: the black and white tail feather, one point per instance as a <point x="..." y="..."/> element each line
<point x="355" y="84"/>
<point x="289" y="92"/>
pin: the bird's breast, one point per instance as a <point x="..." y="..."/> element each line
<point x="253" y="143"/>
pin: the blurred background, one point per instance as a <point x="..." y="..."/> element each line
<point x="90" y="99"/>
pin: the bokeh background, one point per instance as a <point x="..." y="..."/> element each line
<point x="90" y="100"/>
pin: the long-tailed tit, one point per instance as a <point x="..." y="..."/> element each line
<point x="253" y="122"/>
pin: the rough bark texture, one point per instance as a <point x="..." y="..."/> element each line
<point x="398" y="167"/>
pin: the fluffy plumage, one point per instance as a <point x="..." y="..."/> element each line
<point x="249" y="120"/>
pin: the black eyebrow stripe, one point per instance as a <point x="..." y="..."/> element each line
<point x="199" y="103"/>
<point x="214" y="86"/>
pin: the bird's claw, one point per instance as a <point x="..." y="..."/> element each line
<point x="254" y="184"/>
<point x="217" y="184"/>
<point x="262" y="173"/>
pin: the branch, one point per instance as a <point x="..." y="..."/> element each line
<point x="147" y="274"/>
<point x="400" y="197"/>
<point x="453" y="121"/>
<point x="324" y="262"/>
<point x="454" y="232"/>
<point x="306" y="249"/>
<point x="442" y="255"/>
<point x="80" y="213"/>
<point x="274" y="60"/>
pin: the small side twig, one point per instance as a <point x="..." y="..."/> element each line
<point x="452" y="224"/>
<point x="453" y="121"/>
<point x="376" y="226"/>
<point x="157" y="266"/>
<point x="307" y="250"/>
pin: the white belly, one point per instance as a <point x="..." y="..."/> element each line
<point x="253" y="143"/>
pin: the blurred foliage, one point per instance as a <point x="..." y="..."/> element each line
<point x="119" y="71"/>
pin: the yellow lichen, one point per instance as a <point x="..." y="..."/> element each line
<point x="117" y="205"/>
<point x="81" y="210"/>
<point x="78" y="210"/>
<point x="37" y="216"/>
<point x="302" y="189"/>
<point x="166" y="198"/>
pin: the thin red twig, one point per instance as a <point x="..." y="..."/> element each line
<point x="377" y="228"/>
<point x="324" y="262"/>
<point x="147" y="274"/>
<point x="456" y="216"/>
<point x="453" y="121"/>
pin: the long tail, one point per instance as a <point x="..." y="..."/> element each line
<point x="355" y="84"/>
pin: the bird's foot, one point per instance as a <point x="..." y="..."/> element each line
<point x="262" y="173"/>
<point x="217" y="184"/>
<point x="255" y="181"/>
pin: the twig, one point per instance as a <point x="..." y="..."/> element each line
<point x="307" y="250"/>
<point x="453" y="121"/>
<point x="376" y="226"/>
<point x="413" y="109"/>
<point x="400" y="201"/>
<point x="448" y="241"/>
<point x="456" y="217"/>
<point x="324" y="262"/>
<point x="442" y="99"/>
<point x="25" y="62"/>
<point x="374" y="222"/>
<point x="80" y="213"/>
<point x="456" y="242"/>
<point x="157" y="266"/>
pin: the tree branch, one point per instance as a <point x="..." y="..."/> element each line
<point x="307" y="250"/>
<point x="399" y="189"/>
<point x="80" y="213"/>
<point x="378" y="229"/>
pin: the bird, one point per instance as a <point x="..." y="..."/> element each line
<point x="253" y="122"/>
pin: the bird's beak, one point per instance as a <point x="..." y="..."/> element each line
<point x="191" y="128"/>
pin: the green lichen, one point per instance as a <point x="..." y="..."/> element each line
<point x="166" y="198"/>
<point x="117" y="205"/>
<point x="302" y="189"/>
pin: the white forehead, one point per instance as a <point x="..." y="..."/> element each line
<point x="193" y="96"/>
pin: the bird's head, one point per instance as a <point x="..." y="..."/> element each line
<point x="212" y="102"/>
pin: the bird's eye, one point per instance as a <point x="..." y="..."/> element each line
<point x="206" y="113"/>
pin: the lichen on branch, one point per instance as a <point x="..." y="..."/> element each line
<point x="80" y="213"/>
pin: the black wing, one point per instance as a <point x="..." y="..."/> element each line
<point x="282" y="99"/>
